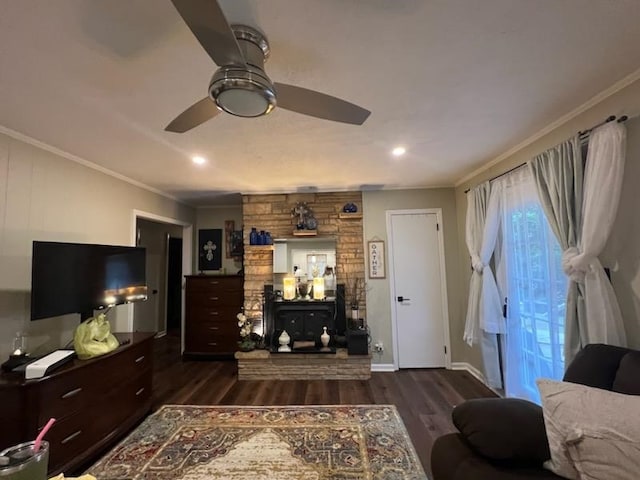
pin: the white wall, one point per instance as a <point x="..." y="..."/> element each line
<point x="214" y="217"/>
<point x="46" y="197"/>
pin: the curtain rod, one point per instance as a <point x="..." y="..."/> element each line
<point x="610" y="118"/>
<point x="502" y="174"/>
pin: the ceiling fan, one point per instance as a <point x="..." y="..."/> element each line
<point x="240" y="86"/>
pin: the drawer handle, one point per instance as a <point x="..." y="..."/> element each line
<point x="139" y="359"/>
<point x="214" y="298"/>
<point x="214" y="328"/>
<point x="71" y="437"/>
<point x="139" y="392"/>
<point x="71" y="393"/>
<point x="214" y="282"/>
<point x="213" y="344"/>
<point x="213" y="313"/>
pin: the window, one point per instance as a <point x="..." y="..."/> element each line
<point x="535" y="287"/>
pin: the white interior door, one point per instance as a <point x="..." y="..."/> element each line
<point x="417" y="289"/>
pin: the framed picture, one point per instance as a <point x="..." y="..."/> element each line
<point x="236" y="243"/>
<point x="210" y="249"/>
<point x="376" y="259"/>
<point x="229" y="227"/>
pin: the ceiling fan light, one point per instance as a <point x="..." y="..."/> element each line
<point x="243" y="103"/>
<point x="244" y="92"/>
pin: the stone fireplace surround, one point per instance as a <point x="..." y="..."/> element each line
<point x="272" y="213"/>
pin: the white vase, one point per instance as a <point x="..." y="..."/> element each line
<point x="324" y="338"/>
<point x="284" y="340"/>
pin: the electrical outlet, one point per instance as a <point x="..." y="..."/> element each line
<point x="378" y="347"/>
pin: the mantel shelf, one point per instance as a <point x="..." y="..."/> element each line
<point x="349" y="216"/>
<point x="305" y="233"/>
<point x="259" y="247"/>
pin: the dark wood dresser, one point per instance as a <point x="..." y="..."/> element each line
<point x="212" y="303"/>
<point x="93" y="401"/>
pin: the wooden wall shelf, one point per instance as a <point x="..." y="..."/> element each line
<point x="349" y="216"/>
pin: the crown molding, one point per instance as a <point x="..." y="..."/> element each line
<point x="593" y="101"/>
<point x="74" y="158"/>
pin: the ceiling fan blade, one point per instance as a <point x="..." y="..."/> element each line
<point x="193" y="116"/>
<point x="209" y="25"/>
<point x="321" y="105"/>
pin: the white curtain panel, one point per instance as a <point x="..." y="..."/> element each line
<point x="477" y="199"/>
<point x="602" y="186"/>
<point x="491" y="316"/>
<point x="516" y="191"/>
<point x="484" y="309"/>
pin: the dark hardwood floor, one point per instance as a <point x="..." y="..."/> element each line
<point x="424" y="397"/>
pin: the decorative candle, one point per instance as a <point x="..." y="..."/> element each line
<point x="318" y="288"/>
<point x="289" y="288"/>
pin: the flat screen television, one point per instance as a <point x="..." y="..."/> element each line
<point x="80" y="278"/>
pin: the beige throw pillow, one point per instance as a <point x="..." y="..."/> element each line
<point x="593" y="434"/>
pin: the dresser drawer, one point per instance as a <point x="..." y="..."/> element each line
<point x="214" y="299"/>
<point x="71" y="436"/>
<point x="134" y="361"/>
<point x="217" y="315"/>
<point x="121" y="404"/>
<point x="212" y="328"/>
<point x="212" y="283"/>
<point x="65" y="394"/>
<point x="206" y="339"/>
<point x="221" y="344"/>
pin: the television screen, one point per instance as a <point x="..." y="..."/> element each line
<point x="79" y="278"/>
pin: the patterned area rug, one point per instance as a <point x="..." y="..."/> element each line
<point x="349" y="442"/>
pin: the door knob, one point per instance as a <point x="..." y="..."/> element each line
<point x="402" y="299"/>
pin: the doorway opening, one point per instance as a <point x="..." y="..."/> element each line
<point x="174" y="286"/>
<point x="169" y="258"/>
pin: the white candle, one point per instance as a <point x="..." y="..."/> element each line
<point x="318" y="288"/>
<point x="289" y="288"/>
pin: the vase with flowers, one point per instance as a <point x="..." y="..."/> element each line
<point x="246" y="333"/>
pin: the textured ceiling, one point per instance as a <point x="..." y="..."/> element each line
<point x="457" y="82"/>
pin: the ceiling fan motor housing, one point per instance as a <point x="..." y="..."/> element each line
<point x="245" y="90"/>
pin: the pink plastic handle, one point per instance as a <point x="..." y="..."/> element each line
<point x="43" y="432"/>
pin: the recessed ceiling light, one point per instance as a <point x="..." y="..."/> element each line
<point x="398" y="151"/>
<point x="199" y="160"/>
